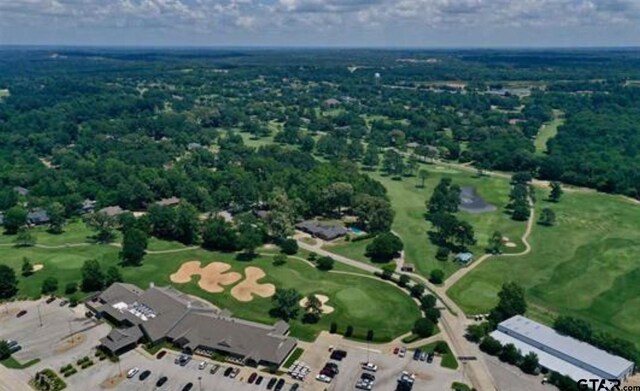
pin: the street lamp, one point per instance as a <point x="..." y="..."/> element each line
<point x="200" y="382"/>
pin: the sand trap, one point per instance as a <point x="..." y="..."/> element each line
<point x="212" y="277"/>
<point x="326" y="309"/>
<point x="510" y="244"/>
<point x="245" y="290"/>
<point x="38" y="266"/>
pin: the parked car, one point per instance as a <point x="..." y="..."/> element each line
<point x="294" y="387"/>
<point x="396" y="350"/>
<point x="368" y="376"/>
<point x="21" y="314"/>
<point x="15" y="348"/>
<point x="202" y="365"/>
<point x="338" y="355"/>
<point x="187" y="386"/>
<point x="144" y="375"/>
<point x="272" y="382"/>
<point x="161" y="354"/>
<point x="227" y="372"/>
<point x="430" y="358"/>
<point x="323" y="378"/>
<point x="416" y="354"/>
<point x="402" y="352"/>
<point x="63" y="303"/>
<point x="234" y="373"/>
<point x="50" y="300"/>
<point x="11" y="343"/>
<point x="423" y="356"/>
<point x="161" y="381"/>
<point x="214" y="369"/>
<point x="132" y="372"/>
<point x="369" y="366"/>
<point x="259" y="380"/>
<point x="252" y="378"/>
<point x="279" y="385"/>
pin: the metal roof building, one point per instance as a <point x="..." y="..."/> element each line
<point x="560" y="353"/>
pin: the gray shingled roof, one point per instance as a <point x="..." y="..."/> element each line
<point x="38" y="216"/>
<point x="121" y="338"/>
<point x="324" y="231"/>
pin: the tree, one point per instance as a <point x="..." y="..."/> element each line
<point x="417" y="290"/>
<point x="289" y="246"/>
<point x="163" y="220"/>
<point x="187" y="223"/>
<point x="403" y="280"/>
<point x="285" y="303"/>
<point x="92" y="276"/>
<point x="547" y="217"/>
<point x="530" y="363"/>
<point x="521" y="211"/>
<point x="428" y="301"/>
<point x="8" y="282"/>
<point x="370" y="160"/>
<point x="374" y="214"/>
<point x="313" y="309"/>
<point x="384" y="247"/>
<point x="556" y="191"/>
<point x="573" y="327"/>
<point x="510" y="354"/>
<point x="349" y="331"/>
<point x="281" y="216"/>
<point x="104" y="225"/>
<point x="423" y="175"/>
<point x="339" y="195"/>
<point x="325" y="263"/>
<point x="393" y="164"/>
<point x="56" y="217"/>
<point x="441" y="347"/>
<point x="442" y="254"/>
<point x="445" y="198"/>
<point x="24" y="238"/>
<point x="71" y="288"/>
<point x="476" y="332"/>
<point x="5" y="350"/>
<point x="436" y="276"/>
<point x="423" y="327"/>
<point x="134" y="245"/>
<point x="511" y="302"/>
<point x="490" y="346"/>
<point x="112" y="275"/>
<point x="27" y="267"/>
<point x="219" y="235"/>
<point x="49" y="285"/>
<point x="249" y="238"/>
<point x="494" y="246"/>
<point x="14" y="218"/>
<point x="433" y="314"/>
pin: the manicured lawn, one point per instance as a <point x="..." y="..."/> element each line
<point x="12" y="363"/>
<point x="585" y="266"/>
<point x="408" y="201"/>
<point x="293" y="357"/>
<point x="74" y="232"/>
<point x="354" y="250"/>
<point x="547" y="132"/>
<point x="362" y="302"/>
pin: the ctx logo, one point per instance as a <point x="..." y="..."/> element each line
<point x="599" y="384"/>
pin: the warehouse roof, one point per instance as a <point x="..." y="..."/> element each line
<point x="522" y="328"/>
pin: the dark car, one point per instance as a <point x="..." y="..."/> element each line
<point x="50" y="300"/>
<point x="252" y="377"/>
<point x="63" y="303"/>
<point x="259" y="380"/>
<point x="416" y="354"/>
<point x="294" y="387"/>
<point x="187" y="387"/>
<point x="144" y="375"/>
<point x="279" y="385"/>
<point x="430" y="358"/>
<point x="228" y="371"/>
<point x="272" y="382"/>
<point x="161" y="354"/>
<point x="161" y="381"/>
<point x="338" y="355"/>
<point x="368" y="376"/>
<point x="21" y="314"/>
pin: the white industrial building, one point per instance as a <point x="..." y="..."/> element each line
<point x="562" y="354"/>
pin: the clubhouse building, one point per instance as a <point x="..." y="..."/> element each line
<point x="165" y="314"/>
<point x="565" y="355"/>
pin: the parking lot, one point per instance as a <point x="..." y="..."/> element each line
<point x="429" y="376"/>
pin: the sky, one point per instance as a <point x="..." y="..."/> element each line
<point x="343" y="23"/>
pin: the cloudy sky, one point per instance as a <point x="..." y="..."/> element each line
<point x="421" y="23"/>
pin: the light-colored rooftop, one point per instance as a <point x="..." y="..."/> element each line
<point x="548" y="337"/>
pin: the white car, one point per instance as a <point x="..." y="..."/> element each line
<point x="202" y="365"/>
<point x="323" y="378"/>
<point x="402" y="352"/>
<point x="368" y="366"/>
<point x="132" y="372"/>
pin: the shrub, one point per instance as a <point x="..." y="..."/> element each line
<point x="404" y="280"/>
<point x="279" y="260"/>
<point x="442" y="254"/>
<point x="312" y="257"/>
<point x="424" y="327"/>
<point x="325" y="263"/>
<point x="490" y="346"/>
<point x="333" y="328"/>
<point x="436" y="276"/>
<point x="370" y="335"/>
<point x="71" y="288"/>
<point x="289" y="246"/>
<point x="441" y="347"/>
<point x="349" y="331"/>
<point x="417" y="290"/>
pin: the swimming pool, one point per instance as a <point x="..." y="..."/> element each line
<point x="357" y="231"/>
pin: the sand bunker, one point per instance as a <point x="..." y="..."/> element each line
<point x="38" y="266"/>
<point x="326" y="309"/>
<point x="212" y="277"/>
<point x="510" y="244"/>
<point x="245" y="290"/>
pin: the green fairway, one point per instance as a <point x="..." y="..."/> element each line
<point x="363" y="302"/>
<point x="585" y="266"/>
<point x="547" y="132"/>
<point x="408" y="201"/>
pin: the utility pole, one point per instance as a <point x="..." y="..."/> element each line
<point x="200" y="382"/>
<point x="39" y="315"/>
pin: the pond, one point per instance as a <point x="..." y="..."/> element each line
<point x="471" y="202"/>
